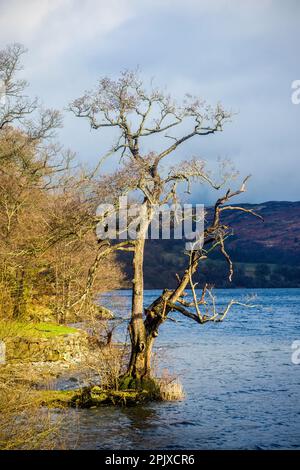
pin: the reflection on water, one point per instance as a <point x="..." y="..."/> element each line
<point x="242" y="389"/>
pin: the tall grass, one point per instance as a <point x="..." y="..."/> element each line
<point x="23" y="424"/>
<point x="170" y="388"/>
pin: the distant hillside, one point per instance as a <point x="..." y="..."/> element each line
<point x="266" y="254"/>
<point x="276" y="240"/>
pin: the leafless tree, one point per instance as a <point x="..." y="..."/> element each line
<point x="47" y="205"/>
<point x="141" y="118"/>
<point x="15" y="107"/>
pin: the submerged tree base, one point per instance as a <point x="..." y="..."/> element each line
<point x="141" y="391"/>
<point x="149" y="384"/>
<point x="91" y="397"/>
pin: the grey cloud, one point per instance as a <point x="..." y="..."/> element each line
<point x="242" y="53"/>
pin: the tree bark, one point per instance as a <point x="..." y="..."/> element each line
<point x="141" y="336"/>
<point x="137" y="328"/>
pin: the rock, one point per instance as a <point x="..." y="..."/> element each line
<point x="104" y="312"/>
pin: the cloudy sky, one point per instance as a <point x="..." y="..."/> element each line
<point x="244" y="53"/>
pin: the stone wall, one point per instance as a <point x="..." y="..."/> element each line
<point x="74" y="346"/>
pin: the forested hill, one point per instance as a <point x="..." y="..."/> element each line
<point x="266" y="254"/>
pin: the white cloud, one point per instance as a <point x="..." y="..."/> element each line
<point x="21" y="20"/>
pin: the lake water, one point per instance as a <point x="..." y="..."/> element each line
<point x="242" y="388"/>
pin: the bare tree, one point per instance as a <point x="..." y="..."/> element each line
<point x="47" y="207"/>
<point x="47" y="236"/>
<point x="139" y="118"/>
<point x="15" y="107"/>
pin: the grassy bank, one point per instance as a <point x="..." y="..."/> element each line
<point x="33" y="330"/>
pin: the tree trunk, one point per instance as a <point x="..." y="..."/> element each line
<point x="144" y="332"/>
<point x="141" y="337"/>
<point x="137" y="330"/>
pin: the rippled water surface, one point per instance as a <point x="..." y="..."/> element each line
<point x="242" y="389"/>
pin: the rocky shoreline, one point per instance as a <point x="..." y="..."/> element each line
<point x="67" y="367"/>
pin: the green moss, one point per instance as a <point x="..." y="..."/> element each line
<point x="55" y="398"/>
<point x="51" y="329"/>
<point x="126" y="382"/>
<point x="90" y="397"/>
<point x="147" y="384"/>
<point x="33" y="330"/>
